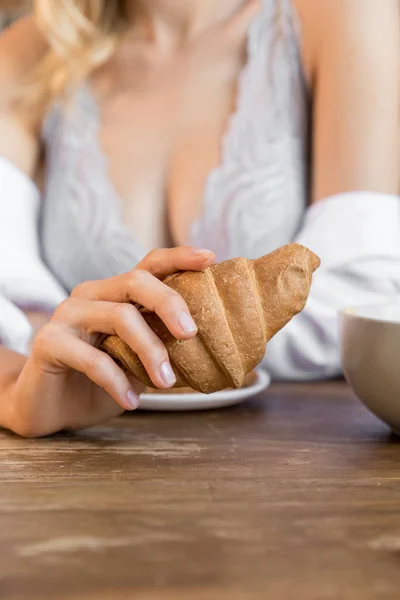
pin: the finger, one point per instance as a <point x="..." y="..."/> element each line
<point x="161" y="263"/>
<point x="125" y="321"/>
<point x="142" y="288"/>
<point x="55" y="346"/>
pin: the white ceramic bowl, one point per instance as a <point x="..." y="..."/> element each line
<point x="370" y="348"/>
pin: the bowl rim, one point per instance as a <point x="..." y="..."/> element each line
<point x="351" y="311"/>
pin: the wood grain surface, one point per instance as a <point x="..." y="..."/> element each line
<point x="293" y="495"/>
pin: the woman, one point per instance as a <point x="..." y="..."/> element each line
<point x="235" y="125"/>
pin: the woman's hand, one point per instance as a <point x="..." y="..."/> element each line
<point x="67" y="382"/>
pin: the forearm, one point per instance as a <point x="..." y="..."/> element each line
<point x="11" y="365"/>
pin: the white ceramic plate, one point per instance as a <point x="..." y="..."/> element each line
<point x="196" y="401"/>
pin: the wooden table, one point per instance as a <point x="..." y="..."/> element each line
<point x="294" y="495"/>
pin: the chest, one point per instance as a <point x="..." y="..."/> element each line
<point x="161" y="130"/>
<point x="156" y="135"/>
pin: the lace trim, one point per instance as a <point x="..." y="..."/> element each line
<point x="106" y="247"/>
<point x="260" y="173"/>
<point x="273" y="72"/>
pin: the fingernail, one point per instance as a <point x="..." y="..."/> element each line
<point x="186" y="323"/>
<point x="201" y="251"/>
<point x="167" y="374"/>
<point x="132" y="400"/>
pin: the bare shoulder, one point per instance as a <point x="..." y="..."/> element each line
<point x="357" y="23"/>
<point x="22" y="46"/>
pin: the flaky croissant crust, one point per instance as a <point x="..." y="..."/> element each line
<point x="238" y="306"/>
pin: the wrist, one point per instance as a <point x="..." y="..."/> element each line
<point x="11" y="368"/>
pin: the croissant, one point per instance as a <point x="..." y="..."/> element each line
<point x="238" y="306"/>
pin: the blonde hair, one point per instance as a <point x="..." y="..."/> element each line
<point x="82" y="35"/>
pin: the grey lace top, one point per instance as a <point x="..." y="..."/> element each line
<point x="254" y="201"/>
